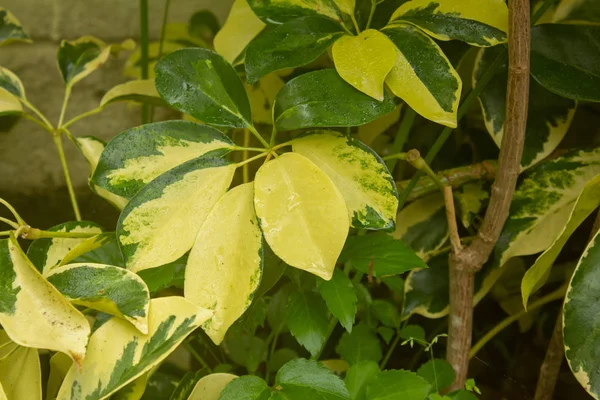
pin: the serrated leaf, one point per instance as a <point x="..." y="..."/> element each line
<point x="106" y="288"/>
<point x="11" y="82"/>
<point x="246" y="388"/>
<point x="306" y="316"/>
<point x="359" y="376"/>
<point x="439" y="373"/>
<point x="358" y="172"/>
<point x="140" y="91"/>
<point x="48" y="253"/>
<point x="423" y="76"/>
<point x="170" y="211"/>
<point x="11" y="29"/>
<point x="79" y="58"/>
<point x="21" y="375"/>
<point x="9" y="104"/>
<point x="323" y="99"/>
<point x="479" y="23"/>
<point x="225" y="265"/>
<point x="210" y="386"/>
<point x="360" y="345"/>
<point x="276" y="314"/>
<point x="31" y="305"/>
<point x="365" y="60"/>
<point x="301" y="213"/>
<point x="247" y="351"/>
<point x="380" y="254"/>
<point x="281" y="357"/>
<point x="565" y="59"/>
<point x="536" y="276"/>
<point x="548" y="118"/>
<point x="307" y="379"/>
<point x="340" y="298"/>
<point x="241" y="27"/>
<point x="580" y="322"/>
<point x="386" y="312"/>
<point x="118" y="353"/>
<point x="201" y="83"/>
<point x="398" y="384"/>
<point x="138" y="155"/>
<point x="280" y="11"/>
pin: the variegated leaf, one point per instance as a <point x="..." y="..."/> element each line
<point x="11" y="82"/>
<point x="31" y="305"/>
<point x="86" y="246"/>
<point x="21" y="375"/>
<point x="141" y="91"/>
<point x="106" y="288"/>
<point x="47" y="253"/>
<point x="358" y="172"/>
<point x="279" y="11"/>
<point x="118" y="353"/>
<point x="211" y="386"/>
<point x="302" y="213"/>
<point x="225" y="265"/>
<point x="137" y="156"/>
<point x="478" y="22"/>
<point x="470" y="199"/>
<point x="79" y="58"/>
<point x="262" y="97"/>
<point x="369" y="133"/>
<point x="11" y="29"/>
<point x="60" y="364"/>
<point x="9" y="104"/>
<point x="160" y="223"/>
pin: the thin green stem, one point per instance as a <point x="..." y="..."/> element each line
<point x="14" y="212"/>
<point x="9" y="222"/>
<point x="355" y="23"/>
<point x="81" y="116"/>
<point x="279" y="146"/>
<point x="63" y="109"/>
<point x="249" y="160"/>
<point x="398" y="156"/>
<point x="195" y="354"/>
<point x="390" y="351"/>
<point x="273" y="136"/>
<point x="245" y="171"/>
<point x="37" y="121"/>
<point x="33" y="233"/>
<point x="63" y="160"/>
<point x="144" y="45"/>
<point x="243" y="148"/>
<point x="371" y="13"/>
<point x="259" y="136"/>
<point x="5" y="233"/>
<point x="402" y="135"/>
<point x="163" y="29"/>
<point x="37" y="112"/>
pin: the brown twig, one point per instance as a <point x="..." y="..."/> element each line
<point x="465" y="263"/>
<point x="451" y="217"/>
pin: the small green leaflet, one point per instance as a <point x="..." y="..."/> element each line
<point x="359" y="376"/>
<point x="246" y="388"/>
<point x="79" y="58"/>
<point x="308" y="379"/>
<point x="439" y="373"/>
<point x="398" y="384"/>
<point x="340" y="298"/>
<point x="307" y="318"/>
<point x="360" y="345"/>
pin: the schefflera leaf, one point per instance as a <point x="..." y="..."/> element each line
<point x="9" y="104"/>
<point x="280" y="11"/>
<point x="302" y="213"/>
<point x="201" y="83"/>
<point x="47" y="253"/>
<point x="358" y="172"/>
<point x="30" y="305"/>
<point x="224" y="268"/>
<point x="11" y="29"/>
<point x="481" y="23"/>
<point x="160" y="223"/>
<point x="106" y="288"/>
<point x="580" y="319"/>
<point x="118" y="353"/>
<point x="12" y="83"/>
<point x="138" y="155"/>
<point x="141" y="91"/>
<point x="423" y="76"/>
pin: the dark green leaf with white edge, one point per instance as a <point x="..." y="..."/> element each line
<point x="477" y="22"/>
<point x="139" y="91"/>
<point x="380" y="254"/>
<point x="536" y="276"/>
<point x="581" y="327"/>
<point x="543" y="202"/>
<point x="323" y="99"/>
<point x="106" y="288"/>
<point x="360" y="345"/>
<point x="307" y="318"/>
<point x="280" y="11"/>
<point x="423" y="76"/>
<point x="79" y="58"/>
<point x="246" y="388"/>
<point x="398" y="384"/>
<point x="340" y="298"/>
<point x="307" y="379"/>
<point x="548" y="118"/>
<point x="138" y="155"/>
<point x="11" y="29"/>
<point x="358" y="378"/>
<point x="118" y="353"/>
<point x="199" y="82"/>
<point x="290" y="45"/>
<point x="358" y="172"/>
<point x="439" y="373"/>
<point x="11" y="82"/>
<point x="170" y="211"/>
<point x="565" y="59"/>
<point x="10" y="105"/>
<point x="47" y="253"/>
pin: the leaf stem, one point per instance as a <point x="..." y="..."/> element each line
<point x="249" y="160"/>
<point x="81" y="116"/>
<point x="9" y="222"/>
<point x="259" y="136"/>
<point x="14" y="212"/>
<point x="195" y="354"/>
<point x="5" y="233"/>
<point x="243" y="148"/>
<point x="61" y="154"/>
<point x="390" y="351"/>
<point x="34" y="233"/>
<point x="402" y="135"/>
<point x="371" y="13"/>
<point x="37" y="112"/>
<point x="63" y="109"/>
<point x="355" y="23"/>
<point x="37" y="121"/>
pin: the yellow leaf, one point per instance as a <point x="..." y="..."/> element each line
<point x="20" y="375"/>
<point x="59" y="366"/>
<point x="131" y="91"/>
<point x="365" y="60"/>
<point x="211" y="386"/>
<point x="9" y="103"/>
<point x="302" y="213"/>
<point x="225" y="265"/>
<point x="346" y="6"/>
<point x="262" y="96"/>
<point x="241" y="27"/>
<point x="371" y="131"/>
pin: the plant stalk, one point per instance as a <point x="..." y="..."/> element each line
<point x="57" y="138"/>
<point x="402" y="135"/>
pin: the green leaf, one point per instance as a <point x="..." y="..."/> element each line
<point x="225" y="265"/>
<point x="138" y="155"/>
<point x="9" y="104"/>
<point x="21" y="375"/>
<point x="470" y="200"/>
<point x="307" y="379"/>
<point x="386" y="312"/>
<point x="187" y="383"/>
<point x="412" y="332"/>
<point x="340" y="298"/>
<point x="565" y="59"/>
<point x="380" y="252"/>
<point x="210" y="386"/>
<point x="248" y="351"/>
<point x="79" y="58"/>
<point x="423" y="76"/>
<point x="290" y="45"/>
<point x="536" y="276"/>
<point x="109" y="253"/>
<point x="246" y="388"/>
<point x="280" y="11"/>
<point x="276" y="310"/>
<point x="203" y="23"/>
<point x="395" y="283"/>
<point x="323" y="99"/>
<point x="462" y="395"/>
<point x="301" y="213"/>
<point x="358" y="172"/>
<point x="385" y="333"/>
<point x="577" y="11"/>
<point x="439" y="373"/>
<point x="11" y="82"/>
<point x="398" y="384"/>
<point x="281" y="357"/>
<point x="273" y="269"/>
<point x="165" y="276"/>
<point x="306" y="316"/>
<point x="124" y="354"/>
<point x="360" y="345"/>
<point x="170" y="211"/>
<point x="477" y="22"/>
<point x="359" y="376"/>
<point x="548" y="118"/>
<point x="11" y="29"/>
<point x="106" y="288"/>
<point x="581" y="329"/>
<point x="87" y="246"/>
<point x="139" y="91"/>
<point x="199" y="82"/>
